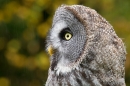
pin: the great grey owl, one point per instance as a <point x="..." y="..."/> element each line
<point x="84" y="49"/>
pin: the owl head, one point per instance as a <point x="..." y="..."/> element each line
<point x="80" y="37"/>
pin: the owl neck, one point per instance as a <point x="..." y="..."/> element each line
<point x="83" y="76"/>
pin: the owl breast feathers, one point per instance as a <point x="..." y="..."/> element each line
<point x="84" y="49"/>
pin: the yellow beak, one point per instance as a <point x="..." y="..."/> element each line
<point x="50" y="50"/>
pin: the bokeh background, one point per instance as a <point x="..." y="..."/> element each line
<point x="23" y="28"/>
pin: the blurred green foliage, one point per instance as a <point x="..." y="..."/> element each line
<point x="23" y="28"/>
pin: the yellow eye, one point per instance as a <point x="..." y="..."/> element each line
<point x="68" y="36"/>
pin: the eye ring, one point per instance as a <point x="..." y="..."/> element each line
<point x="68" y="36"/>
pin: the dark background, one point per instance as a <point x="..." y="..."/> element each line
<point x="23" y="28"/>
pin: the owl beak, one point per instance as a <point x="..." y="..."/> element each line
<point x="50" y="50"/>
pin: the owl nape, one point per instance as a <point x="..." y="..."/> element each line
<point x="84" y="49"/>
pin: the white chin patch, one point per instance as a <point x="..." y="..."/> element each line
<point x="63" y="69"/>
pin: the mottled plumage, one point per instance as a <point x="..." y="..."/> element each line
<point x="86" y="49"/>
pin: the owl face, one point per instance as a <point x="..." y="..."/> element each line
<point x="67" y="38"/>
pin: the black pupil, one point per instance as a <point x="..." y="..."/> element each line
<point x="64" y="32"/>
<point x="67" y="35"/>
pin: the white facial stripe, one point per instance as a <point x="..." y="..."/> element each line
<point x="58" y="27"/>
<point x="55" y="33"/>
